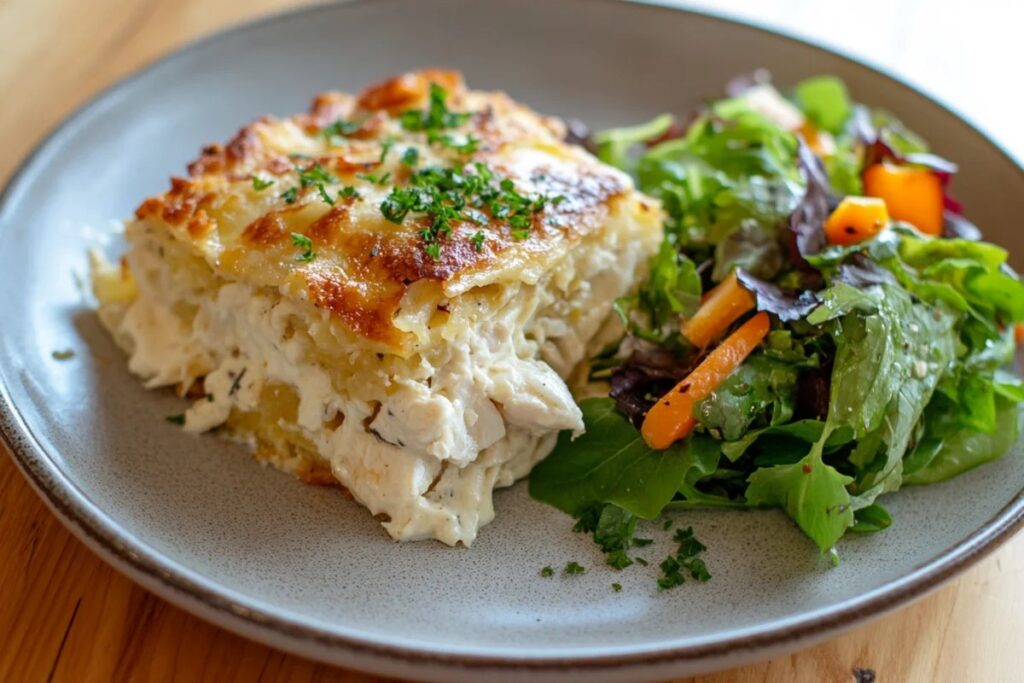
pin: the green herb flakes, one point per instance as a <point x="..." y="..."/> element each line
<point x="410" y="157"/>
<point x="339" y="129"/>
<point x="314" y="175"/>
<point x="478" y="240"/>
<point x="436" y="117"/>
<point x="574" y="568"/>
<point x="259" y="184"/>
<point x="323" y="194"/>
<point x="302" y="242"/>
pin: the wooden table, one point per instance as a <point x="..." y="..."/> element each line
<point x="67" y="616"/>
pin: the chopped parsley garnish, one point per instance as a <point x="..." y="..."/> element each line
<point x="686" y="559"/>
<point x="617" y="587"/>
<point x="349" y="192"/>
<point x="618" y="559"/>
<point x="478" y="240"/>
<point x="446" y="195"/>
<point x="436" y="117"/>
<point x="433" y="250"/>
<point x="385" y="147"/>
<point x="641" y="542"/>
<point x="547" y="572"/>
<point x="468" y="146"/>
<point x="313" y="175"/>
<point x="290" y="195"/>
<point x="260" y="184"/>
<point x="323" y="193"/>
<point x="411" y="156"/>
<point x="66" y="354"/>
<point x="339" y="129"/>
<point x="688" y="545"/>
<point x="574" y="568"/>
<point x="302" y="242"/>
<point x="178" y="419"/>
<point x="640" y="561"/>
<point x="671" y="576"/>
<point x="667" y="525"/>
<point x="374" y="178"/>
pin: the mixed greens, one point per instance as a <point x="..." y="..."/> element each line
<point x="820" y="326"/>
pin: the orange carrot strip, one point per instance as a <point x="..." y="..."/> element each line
<point x="720" y="308"/>
<point x="1018" y="333"/>
<point x="856" y="219"/>
<point x="671" y="418"/>
<point x="913" y="194"/>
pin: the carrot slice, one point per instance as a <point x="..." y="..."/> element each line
<point x="722" y="306"/>
<point x="1018" y="333"/>
<point x="856" y="219"/>
<point x="913" y="194"/>
<point x="671" y="418"/>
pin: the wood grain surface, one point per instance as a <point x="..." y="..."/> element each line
<point x="67" y="616"/>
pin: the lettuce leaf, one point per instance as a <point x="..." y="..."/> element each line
<point x="672" y="289"/>
<point x="959" y="450"/>
<point x="825" y="101"/>
<point x="728" y="187"/>
<point x="762" y="389"/>
<point x="614" y="145"/>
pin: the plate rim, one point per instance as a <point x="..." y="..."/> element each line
<point x="134" y="557"/>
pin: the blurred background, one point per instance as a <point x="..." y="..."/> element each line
<point x="966" y="54"/>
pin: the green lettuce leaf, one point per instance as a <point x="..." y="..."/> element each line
<point x="958" y="450"/>
<point x="614" y="145"/>
<point x="825" y="101"/>
<point x="672" y="289"/>
<point x="727" y="187"/>
<point x="761" y="389"/>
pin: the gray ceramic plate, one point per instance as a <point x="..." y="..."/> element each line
<point x="303" y="568"/>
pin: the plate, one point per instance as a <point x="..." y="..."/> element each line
<point x="301" y="568"/>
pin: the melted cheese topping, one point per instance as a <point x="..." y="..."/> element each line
<point x="366" y="265"/>
<point x="419" y="385"/>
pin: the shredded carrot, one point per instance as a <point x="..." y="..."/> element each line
<point x="913" y="194"/>
<point x="671" y="418"/>
<point x="1018" y="333"/>
<point x="719" y="309"/>
<point x="856" y="219"/>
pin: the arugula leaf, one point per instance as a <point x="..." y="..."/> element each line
<point x="811" y="492"/>
<point x="611" y="463"/>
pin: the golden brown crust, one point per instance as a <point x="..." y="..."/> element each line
<point x="363" y="264"/>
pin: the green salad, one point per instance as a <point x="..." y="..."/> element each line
<point x="821" y="326"/>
